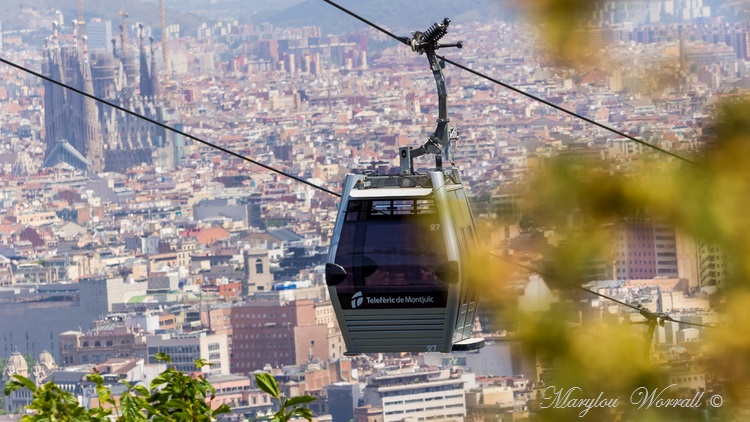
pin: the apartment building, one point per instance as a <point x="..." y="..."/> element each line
<point x="77" y="348"/>
<point x="185" y="348"/>
<point x="276" y="334"/>
<point x="431" y="395"/>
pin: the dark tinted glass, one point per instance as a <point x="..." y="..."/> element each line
<point x="391" y="246"/>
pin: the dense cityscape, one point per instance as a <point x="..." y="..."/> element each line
<point x="120" y="239"/>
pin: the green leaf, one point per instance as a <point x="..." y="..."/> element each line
<point x="296" y="401"/>
<point x="12" y="386"/>
<point x="304" y="412"/>
<point x="25" y="382"/>
<point x="131" y="409"/>
<point x="200" y="363"/>
<point x="159" y="380"/>
<point x="267" y="383"/>
<point x="142" y="390"/>
<point x="163" y="357"/>
<point x="104" y="394"/>
<point x="95" y="378"/>
<point x="176" y="404"/>
<point x="203" y="387"/>
<point x="224" y="408"/>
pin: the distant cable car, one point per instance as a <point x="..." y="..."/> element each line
<point x="397" y="269"/>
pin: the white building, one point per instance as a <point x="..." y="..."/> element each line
<point x="431" y="395"/>
<point x="185" y="348"/>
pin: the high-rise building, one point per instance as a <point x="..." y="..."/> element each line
<point x="645" y="249"/>
<point x="99" y="33"/>
<point x="702" y="263"/>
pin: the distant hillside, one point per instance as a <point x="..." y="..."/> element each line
<point x="26" y="14"/>
<point x="400" y="16"/>
<point x="229" y="9"/>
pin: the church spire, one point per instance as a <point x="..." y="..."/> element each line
<point x="144" y="74"/>
<point x="155" y="88"/>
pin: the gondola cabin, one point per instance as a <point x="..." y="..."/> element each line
<point x="397" y="266"/>
<point x="397" y="269"/>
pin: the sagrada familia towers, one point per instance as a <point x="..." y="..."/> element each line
<point x="87" y="134"/>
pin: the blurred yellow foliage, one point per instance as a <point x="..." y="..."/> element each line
<point x="581" y="199"/>
<point x="569" y="36"/>
<point x="563" y="28"/>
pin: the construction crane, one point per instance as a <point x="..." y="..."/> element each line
<point x="164" y="49"/>
<point x="123" y="30"/>
<point x="81" y="21"/>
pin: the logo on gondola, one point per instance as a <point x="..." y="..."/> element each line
<point x="357" y="300"/>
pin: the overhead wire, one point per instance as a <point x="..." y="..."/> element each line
<point x="572" y="113"/>
<point x="645" y="312"/>
<point x="649" y="315"/>
<point x="405" y="40"/>
<point x="167" y="127"/>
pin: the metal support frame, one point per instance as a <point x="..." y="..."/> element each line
<point x="652" y="320"/>
<point x="440" y="141"/>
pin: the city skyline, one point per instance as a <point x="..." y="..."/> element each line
<point x="189" y="250"/>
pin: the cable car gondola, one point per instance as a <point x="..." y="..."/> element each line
<point x="397" y="266"/>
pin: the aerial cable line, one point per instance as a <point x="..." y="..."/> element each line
<point x="652" y="317"/>
<point x="167" y="127"/>
<point x="406" y="41"/>
<point x="659" y="317"/>
<point x="572" y="113"/>
<point x="403" y="40"/>
<point x="645" y="312"/>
